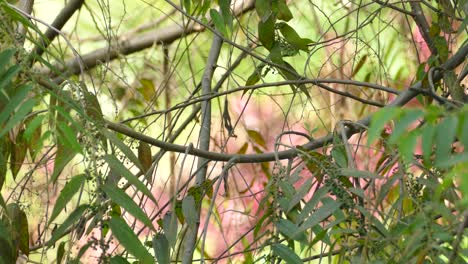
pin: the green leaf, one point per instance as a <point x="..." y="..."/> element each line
<point x="63" y="156"/>
<point x="312" y="203"/>
<point x="189" y="209"/>
<point x="266" y="31"/>
<point x="68" y="136"/>
<point x="256" y="137"/>
<point x="263" y="7"/>
<point x="18" y="115"/>
<point x="170" y="227"/>
<point x="5" y="57"/>
<point x="289" y="230"/>
<point x="18" y="154"/>
<point x="8" y="77"/>
<point x="293" y="38"/>
<point x="124" y="148"/>
<point x="225" y="7"/>
<point x="19" y="224"/>
<point x="444" y="138"/>
<point x="116" y="165"/>
<point x="406" y="146"/>
<point x="407" y="118"/>
<point x="427" y="135"/>
<point x="161" y="248"/>
<point x="32" y="134"/>
<point x="286" y="254"/>
<point x="283" y="11"/>
<point x="218" y="21"/>
<point x="118" y="260"/>
<point x="144" y="155"/>
<point x="297" y="197"/>
<point x="339" y="155"/>
<point x="319" y="215"/>
<point x="60" y="252"/>
<point x="442" y="48"/>
<point x="71" y="220"/>
<point x="67" y="193"/>
<point x="129" y="240"/>
<point x="118" y="196"/>
<point x="19" y="96"/>
<point x="378" y="122"/>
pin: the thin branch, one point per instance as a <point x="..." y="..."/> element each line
<point x="61" y="19"/>
<point x="401" y="100"/>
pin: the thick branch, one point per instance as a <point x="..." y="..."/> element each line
<point x="205" y="138"/>
<point x="160" y="36"/>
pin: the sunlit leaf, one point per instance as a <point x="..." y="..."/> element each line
<point x="243" y="149"/>
<point x="66" y="194"/>
<point x="129" y="240"/>
<point x="359" y="65"/>
<point x="293" y="38"/>
<point x="144" y="155"/>
<point x="283" y="11"/>
<point x="218" y="21"/>
<point x="256" y="137"/>
<point x="147" y="89"/>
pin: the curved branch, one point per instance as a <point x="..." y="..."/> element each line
<point x="401" y="100"/>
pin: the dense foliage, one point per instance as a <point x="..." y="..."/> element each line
<point x="306" y="131"/>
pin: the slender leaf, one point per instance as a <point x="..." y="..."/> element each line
<point x="161" y="248"/>
<point x="118" y="196"/>
<point x="71" y="220"/>
<point x="67" y="193"/>
<point x="170" y="227"/>
<point x="256" y="137"/>
<point x="129" y="240"/>
<point x="189" y="210"/>
<point x="378" y="122"/>
<point x="286" y="254"/>
<point x="319" y="215"/>
<point x="124" y="148"/>
<point x="118" y="260"/>
<point x="116" y="165"/>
